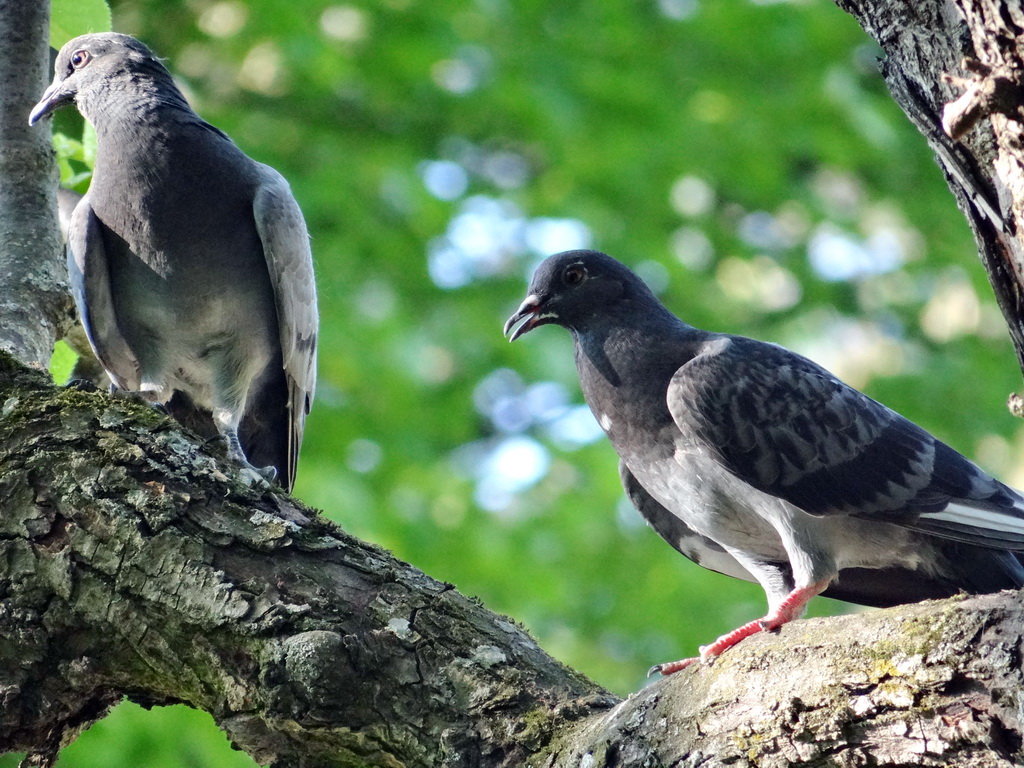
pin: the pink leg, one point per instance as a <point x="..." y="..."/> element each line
<point x="789" y="609"/>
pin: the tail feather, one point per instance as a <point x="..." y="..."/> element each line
<point x="1000" y="527"/>
<point x="963" y="568"/>
<point x="266" y="430"/>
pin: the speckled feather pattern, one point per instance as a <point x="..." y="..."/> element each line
<point x="756" y="462"/>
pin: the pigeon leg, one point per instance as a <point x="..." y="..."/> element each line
<point x="227" y="424"/>
<point x="791" y="607"/>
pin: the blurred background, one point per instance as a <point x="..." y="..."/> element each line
<point x="744" y="157"/>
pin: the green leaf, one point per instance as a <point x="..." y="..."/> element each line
<point x="74" y="158"/>
<point x="89" y="145"/>
<point x="62" y="362"/>
<point x="71" y="18"/>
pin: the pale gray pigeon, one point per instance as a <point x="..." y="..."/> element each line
<point x="758" y="463"/>
<point x="189" y="262"/>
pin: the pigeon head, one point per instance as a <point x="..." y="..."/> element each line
<point x="92" y="69"/>
<point x="577" y="289"/>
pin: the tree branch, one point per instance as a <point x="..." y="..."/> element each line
<point x="134" y="563"/>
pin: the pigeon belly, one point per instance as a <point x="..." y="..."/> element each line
<point x="718" y="504"/>
<point x="201" y="329"/>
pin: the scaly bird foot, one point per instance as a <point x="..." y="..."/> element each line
<point x="790" y="608"/>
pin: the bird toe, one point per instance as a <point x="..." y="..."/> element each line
<point x="252" y="477"/>
<point x="82" y="385"/>
<point x="671" y="667"/>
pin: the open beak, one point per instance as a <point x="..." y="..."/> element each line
<point x="53" y="98"/>
<point x="526" y="318"/>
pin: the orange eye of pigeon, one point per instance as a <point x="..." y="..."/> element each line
<point x="80" y="58"/>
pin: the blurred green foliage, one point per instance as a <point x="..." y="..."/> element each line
<point x="744" y="156"/>
<point x="70" y="18"/>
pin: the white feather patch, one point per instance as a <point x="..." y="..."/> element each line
<point x="987" y="519"/>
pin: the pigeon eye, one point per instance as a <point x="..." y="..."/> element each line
<point x="80" y="58"/>
<point x="574" y="274"/>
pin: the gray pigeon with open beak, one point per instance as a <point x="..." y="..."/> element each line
<point x="189" y="262"/>
<point x="758" y="463"/>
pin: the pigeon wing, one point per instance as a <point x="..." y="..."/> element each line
<point x="282" y="231"/>
<point x="89" y="276"/>
<point x="791" y="429"/>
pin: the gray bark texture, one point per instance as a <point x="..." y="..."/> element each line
<point x="957" y="70"/>
<point x="133" y="563"/>
<point x="35" y="308"/>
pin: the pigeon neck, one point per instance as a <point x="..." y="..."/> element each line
<point x="618" y="352"/>
<point x="642" y="318"/>
<point x="136" y="105"/>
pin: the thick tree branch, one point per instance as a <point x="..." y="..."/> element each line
<point x="936" y="684"/>
<point x="130" y="563"/>
<point x="133" y="563"/>
<point x="35" y="308"/>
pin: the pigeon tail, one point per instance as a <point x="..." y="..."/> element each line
<point x="264" y="431"/>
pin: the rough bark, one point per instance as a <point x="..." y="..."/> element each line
<point x="926" y="45"/>
<point x="133" y="563"/>
<point x="130" y="563"/>
<point x="35" y="309"/>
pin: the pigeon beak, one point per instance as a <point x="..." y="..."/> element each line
<point x="526" y="318"/>
<point x="53" y="98"/>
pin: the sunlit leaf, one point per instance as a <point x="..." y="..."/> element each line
<point x="62" y="362"/>
<point x="71" y="18"/>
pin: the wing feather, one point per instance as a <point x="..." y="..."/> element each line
<point x="89" y="276"/>
<point x="282" y="231"/>
<point x="790" y="428"/>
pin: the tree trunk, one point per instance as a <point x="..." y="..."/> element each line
<point x="134" y="563"/>
<point x="35" y="308"/>
<point x="927" y="45"/>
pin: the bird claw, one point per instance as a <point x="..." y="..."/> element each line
<point x="671" y="667"/>
<point x="82" y="385"/>
<point x="252" y="477"/>
<point x="259" y="477"/>
<point x="789" y="609"/>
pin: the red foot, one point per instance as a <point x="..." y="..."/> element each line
<point x="789" y="609"/>
<point x="671" y="667"/>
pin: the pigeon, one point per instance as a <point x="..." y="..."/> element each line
<point x="189" y="262"/>
<point x="756" y="462"/>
